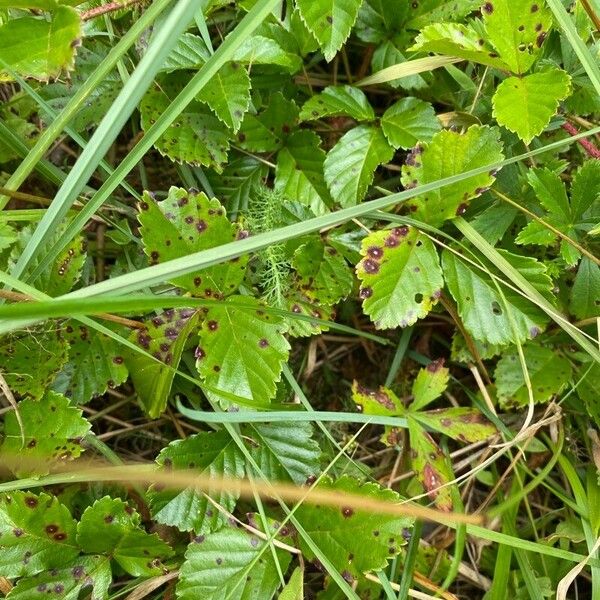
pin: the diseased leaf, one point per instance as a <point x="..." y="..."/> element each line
<point x="228" y="94"/>
<point x="188" y="222"/>
<point x="52" y="434"/>
<point x="37" y="533"/>
<point x="111" y="527"/>
<point x="330" y="21"/>
<point x="95" y="364"/>
<point x="40" y="48"/>
<point x="226" y="564"/>
<point x="242" y="350"/>
<point x="525" y="105"/>
<point x="585" y="293"/>
<point x="284" y="451"/>
<point x="429" y="11"/>
<point x="335" y="101"/>
<point x="212" y="454"/>
<point x="450" y="153"/>
<point x="354" y="541"/>
<point x="430" y="384"/>
<point x="461" y="423"/>
<point x="548" y="371"/>
<point x="350" y="165"/>
<point x="164" y="337"/>
<point x="409" y="121"/>
<point x="400" y="276"/>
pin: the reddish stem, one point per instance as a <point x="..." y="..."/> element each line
<point x="588" y="146"/>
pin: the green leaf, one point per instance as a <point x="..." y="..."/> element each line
<point x="431" y="465"/>
<point x="517" y="30"/>
<point x="67" y="583"/>
<point x="409" y="121"/>
<point x="351" y="163"/>
<point x="525" y="105"/>
<point x="330" y="21"/>
<point x="266" y="131"/>
<point x="585" y="191"/>
<point x="230" y="564"/>
<point x="188" y="222"/>
<point x="482" y="309"/>
<point x="548" y="371"/>
<point x="429" y="11"/>
<point x="261" y="50"/>
<point x="460" y="423"/>
<point x="190" y="52"/>
<point x="164" y="337"/>
<point x="450" y="153"/>
<point x="36" y="533"/>
<point x="212" y="454"/>
<point x="585" y="293"/>
<point x="430" y="384"/>
<point x="8" y="236"/>
<point x="242" y="351"/>
<point x="95" y="364"/>
<point x="39" y="48"/>
<point x="379" y="20"/>
<point x="335" y="101"/>
<point x="387" y="55"/>
<point x="195" y="136"/>
<point x="354" y="541"/>
<point x="52" y="434"/>
<point x="400" y="276"/>
<point x="323" y="275"/>
<point x="284" y="451"/>
<point x="228" y="94"/>
<point x="30" y="361"/>
<point x="299" y="172"/>
<point x="111" y="527"/>
<point x="294" y="588"/>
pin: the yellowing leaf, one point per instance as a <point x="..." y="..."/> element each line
<point x="429" y="384"/>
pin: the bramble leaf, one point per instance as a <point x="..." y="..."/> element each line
<point x="212" y="454"/>
<point x="429" y="384"/>
<point x="548" y="371"/>
<point x="294" y="588"/>
<point x="450" y="153"/>
<point x="379" y="20"/>
<point x="335" y="101"/>
<point x="351" y="163"/>
<point x="229" y="564"/>
<point x="400" y="276"/>
<point x="355" y="541"/>
<point x="188" y="222"/>
<point x="242" y="349"/>
<point x="585" y="293"/>
<point x="52" y="433"/>
<point x="409" y="121"/>
<point x="525" y="105"/>
<point x="330" y="21"/>
<point x="430" y="11"/>
<point x="461" y="423"/>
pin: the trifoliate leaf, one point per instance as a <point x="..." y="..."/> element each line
<point x="164" y="337"/>
<point x="230" y="564"/>
<point x="451" y="153"/>
<point x="400" y="276"/>
<point x="196" y="136"/>
<point x="228" y="94"/>
<point x="429" y="384"/>
<point x="585" y="293"/>
<point x="284" y="451"/>
<point x="188" y="222"/>
<point x="300" y="171"/>
<point x="409" y="121"/>
<point x="548" y="371"/>
<point x="482" y="309"/>
<point x="525" y="105"/>
<point x="52" y="433"/>
<point x="95" y="364"/>
<point x="379" y="20"/>
<point x="517" y="29"/>
<point x="69" y="582"/>
<point x="266" y="131"/>
<point x="323" y="275"/>
<point x="30" y="361"/>
<point x="330" y="21"/>
<point x="41" y="48"/>
<point x="350" y="165"/>
<point x="461" y="423"/>
<point x="111" y="527"/>
<point x="355" y="541"/>
<point x="212" y="454"/>
<point x="36" y="533"/>
<point x="242" y="350"/>
<point x="335" y="101"/>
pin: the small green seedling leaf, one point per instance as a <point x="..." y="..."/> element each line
<point x="212" y="454"/>
<point x="408" y="122"/>
<point x="430" y="384"/>
<point x="400" y="276"/>
<point x="339" y="100"/>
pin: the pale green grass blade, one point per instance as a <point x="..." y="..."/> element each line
<point x="410" y="67"/>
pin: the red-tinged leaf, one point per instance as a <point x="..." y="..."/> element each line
<point x="460" y="423"/>
<point x="429" y="384"/>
